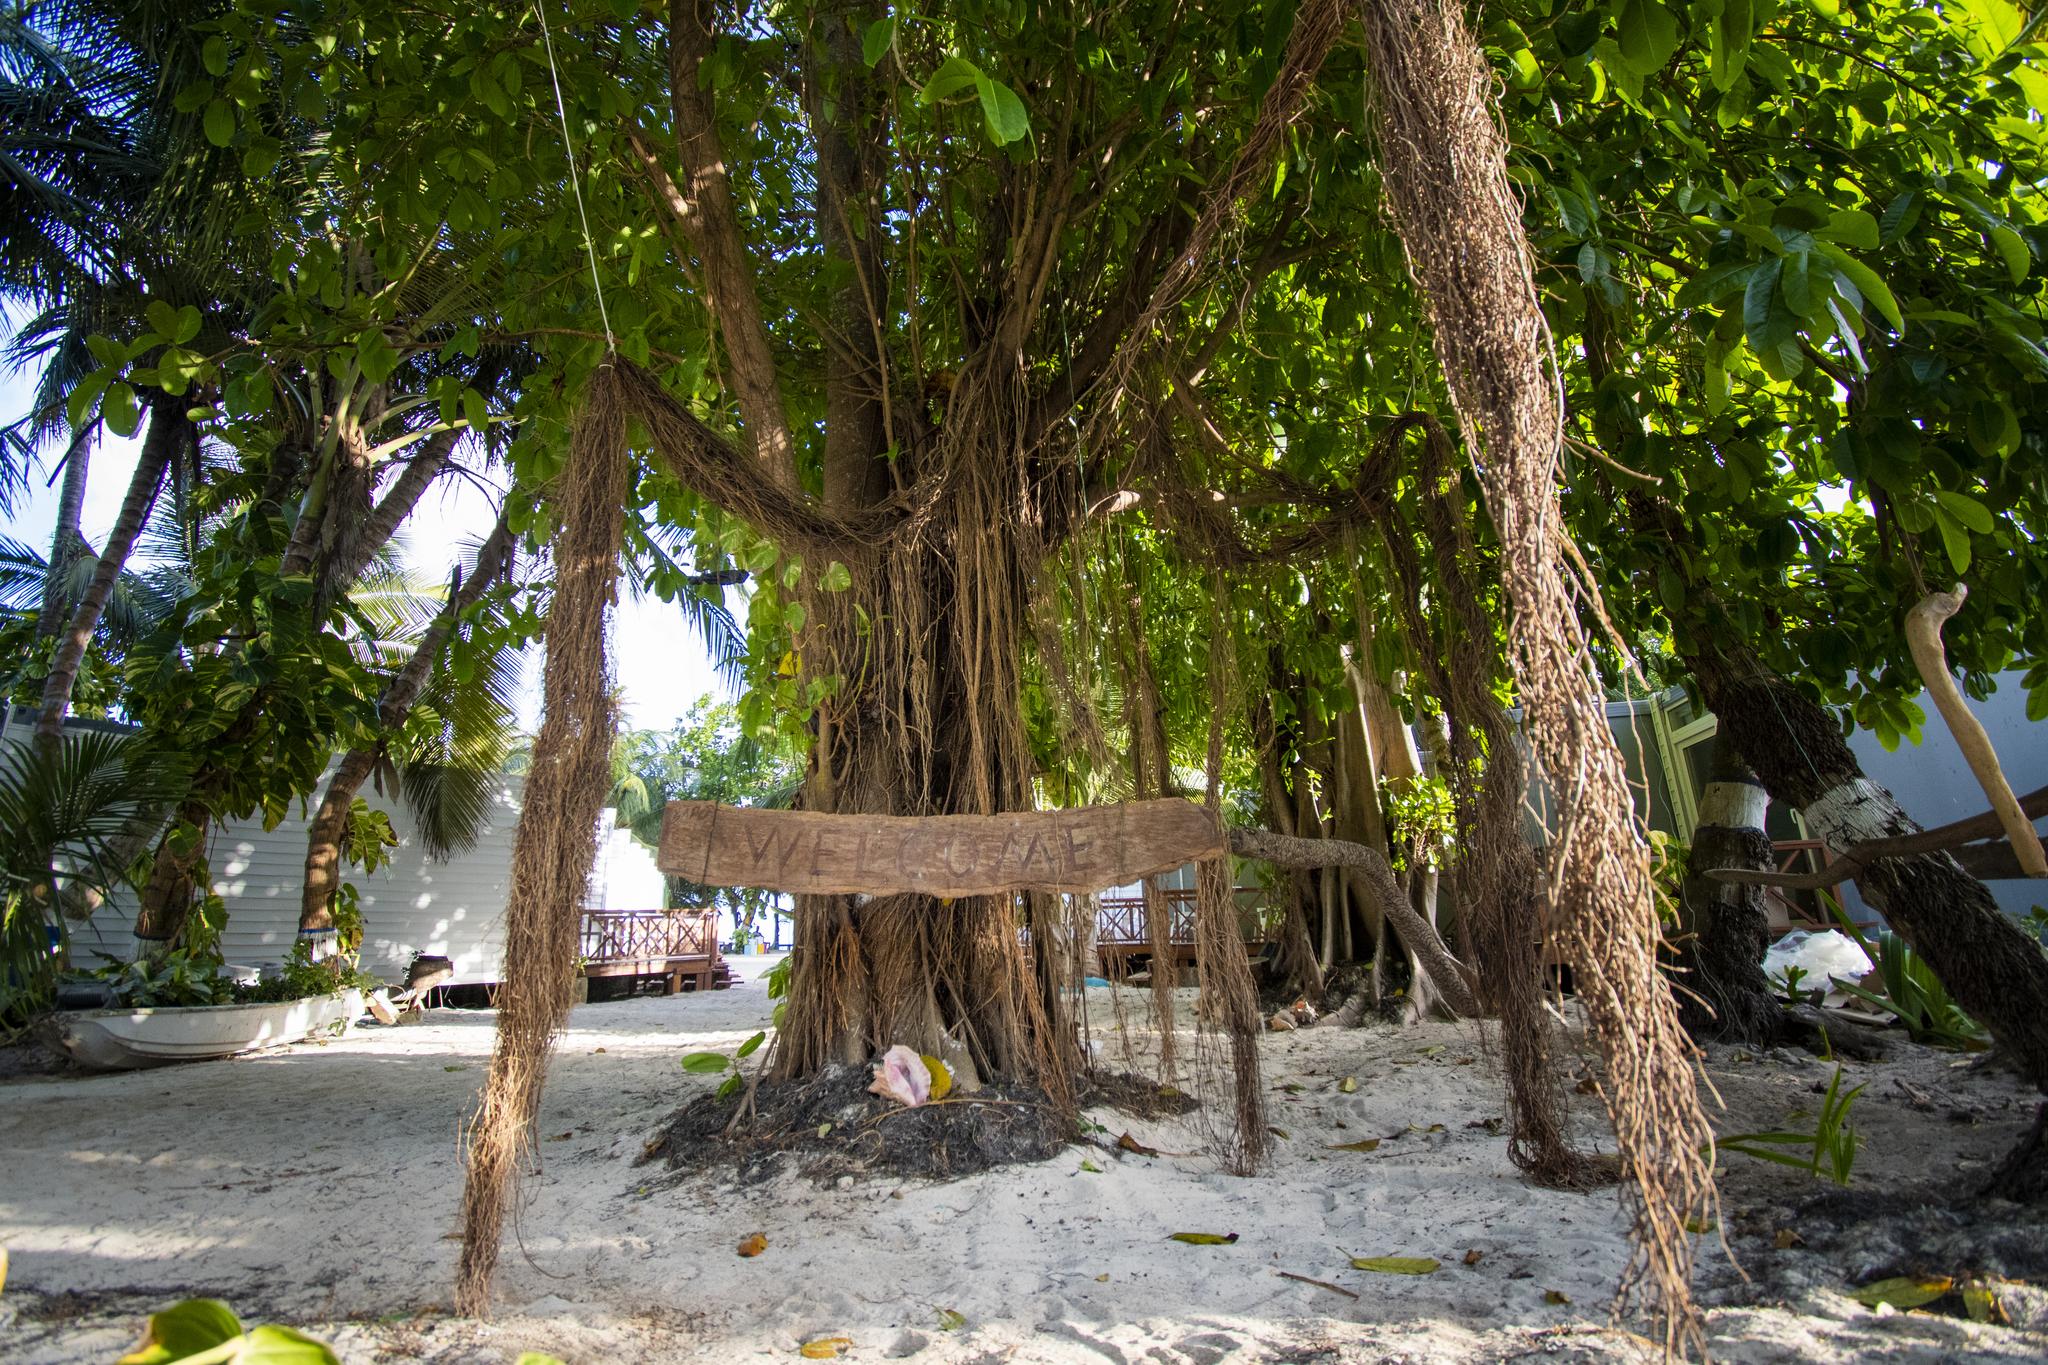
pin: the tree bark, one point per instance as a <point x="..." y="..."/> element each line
<point x="1994" y="971"/>
<point x="330" y="823"/>
<point x="1723" y="992"/>
<point x="68" y="542"/>
<point x="168" y="427"/>
<point x="1453" y="980"/>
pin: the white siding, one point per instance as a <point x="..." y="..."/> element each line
<point x="453" y="909"/>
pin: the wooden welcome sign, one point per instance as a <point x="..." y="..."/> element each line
<point x="1085" y="849"/>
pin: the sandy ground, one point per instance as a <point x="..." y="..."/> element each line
<point x="319" y="1186"/>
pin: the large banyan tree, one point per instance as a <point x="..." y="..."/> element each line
<point x="1038" y="363"/>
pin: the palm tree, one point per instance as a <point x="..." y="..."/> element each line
<point x="63" y="812"/>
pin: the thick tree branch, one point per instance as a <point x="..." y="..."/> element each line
<point x="708" y="465"/>
<point x="707" y="215"/>
<point x="1454" y="980"/>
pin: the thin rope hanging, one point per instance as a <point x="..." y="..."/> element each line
<point x="575" y="176"/>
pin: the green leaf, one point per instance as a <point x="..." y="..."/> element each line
<point x="875" y="42"/>
<point x="1715" y="283"/>
<point x="1648" y="36"/>
<point x="1728" y="44"/>
<point x="1966" y="510"/>
<point x="1866" y="281"/>
<point x="283" y="1346"/>
<point x="185" y="1329"/>
<point x="2013" y="249"/>
<point x="1905" y="1291"/>
<point x="120" y="410"/>
<point x="84" y="394"/>
<point x="954" y="75"/>
<point x="730" y="1086"/>
<point x="949" y="1320"/>
<point x="1851" y="227"/>
<point x="1955" y="540"/>
<point x="1203" y="1239"/>
<point x="838" y="578"/>
<point x="1008" y="121"/>
<point x="705" y="1063"/>
<point x="748" y="1048"/>
<point x="214" y="53"/>
<point x="219" y="121"/>
<point x="1397" y="1265"/>
<point x="1994" y="428"/>
<point x="1803" y="294"/>
<point x="1769" y="324"/>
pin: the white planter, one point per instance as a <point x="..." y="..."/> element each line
<point x="122" y="1039"/>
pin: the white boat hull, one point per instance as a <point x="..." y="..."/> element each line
<point x="123" y="1039"/>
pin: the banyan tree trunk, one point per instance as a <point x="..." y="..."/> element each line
<point x="1994" y="971"/>
<point x="1726" y="927"/>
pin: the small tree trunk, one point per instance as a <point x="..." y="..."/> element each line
<point x="167" y="427"/>
<point x="167" y="897"/>
<point x="330" y="824"/>
<point x="1994" y="971"/>
<point x="1723" y="992"/>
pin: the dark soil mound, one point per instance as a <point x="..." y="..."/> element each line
<point x="831" y="1126"/>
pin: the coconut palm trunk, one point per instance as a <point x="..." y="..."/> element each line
<point x="64" y="543"/>
<point x="330" y="823"/>
<point x="169" y="428"/>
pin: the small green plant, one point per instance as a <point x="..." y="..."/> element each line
<point x="207" y="1332"/>
<point x="1668" y="856"/>
<point x="174" y="979"/>
<point x="1788" y="988"/>
<point x="1829" y="1150"/>
<point x="715" y="1063"/>
<point x="1911" y="993"/>
<point x="778" y="988"/>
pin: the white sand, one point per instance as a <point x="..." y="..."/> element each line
<point x="319" y="1186"/>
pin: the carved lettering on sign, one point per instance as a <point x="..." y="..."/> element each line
<point x="1085" y="849"/>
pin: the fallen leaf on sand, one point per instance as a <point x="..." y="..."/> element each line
<point x="1203" y="1239"/>
<point x="1397" y="1265"/>
<point x="1904" y="1291"/>
<point x="1980" y="1301"/>
<point x="561" y="1137"/>
<point x="754" y="1245"/>
<point x="597" y="1049"/>
<point x="1091" y="1167"/>
<point x="1787" y="1239"/>
<point x="1558" y="1297"/>
<point x="949" y="1320"/>
<point x="1102" y="1278"/>
<point x="1280" y="1133"/>
<point x="1347" y="1086"/>
<point x="826" y="1348"/>
<point x="1699" y="1226"/>
<point x="1362" y="1145"/>
<point x="1473" y="1256"/>
<point x="1127" y="1143"/>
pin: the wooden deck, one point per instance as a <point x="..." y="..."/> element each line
<point x="679" y="948"/>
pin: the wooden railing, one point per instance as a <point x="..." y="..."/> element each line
<point x="1122" y="920"/>
<point x="671" y="943"/>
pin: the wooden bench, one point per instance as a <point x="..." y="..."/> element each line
<point x="677" y="947"/>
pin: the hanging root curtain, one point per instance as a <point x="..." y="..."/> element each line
<point x="557" y="836"/>
<point x="1444" y="158"/>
